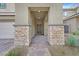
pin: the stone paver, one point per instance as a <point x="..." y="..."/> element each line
<point x="5" y="44"/>
<point x="39" y="47"/>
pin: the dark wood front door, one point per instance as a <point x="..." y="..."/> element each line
<point x="40" y="29"/>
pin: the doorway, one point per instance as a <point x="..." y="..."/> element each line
<point x="39" y="20"/>
<point x="40" y="27"/>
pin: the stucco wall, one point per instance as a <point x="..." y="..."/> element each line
<point x="46" y="25"/>
<point x="77" y="20"/>
<point x="32" y="25"/>
<point x="72" y="24"/>
<point x="22" y="11"/>
<point x="21" y="14"/>
<point x="55" y="15"/>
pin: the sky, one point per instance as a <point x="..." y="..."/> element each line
<point x="70" y="5"/>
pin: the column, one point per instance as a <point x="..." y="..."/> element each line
<point x="55" y="25"/>
<point x="21" y="25"/>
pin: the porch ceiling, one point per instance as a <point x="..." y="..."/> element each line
<point x="39" y="13"/>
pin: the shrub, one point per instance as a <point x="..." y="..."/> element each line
<point x="71" y="41"/>
<point x="13" y="52"/>
<point x="17" y="52"/>
<point x="76" y="32"/>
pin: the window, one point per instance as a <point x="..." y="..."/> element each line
<point x="2" y="5"/>
<point x="66" y="29"/>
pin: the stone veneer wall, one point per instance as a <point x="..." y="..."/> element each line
<point x="22" y="35"/>
<point x="56" y="34"/>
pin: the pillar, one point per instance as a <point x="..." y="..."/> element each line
<point x="21" y="25"/>
<point x="55" y="25"/>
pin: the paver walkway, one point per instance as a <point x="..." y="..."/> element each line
<point x="39" y="47"/>
<point x="5" y="45"/>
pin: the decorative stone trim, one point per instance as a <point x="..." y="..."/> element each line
<point x="22" y="35"/>
<point x="56" y="35"/>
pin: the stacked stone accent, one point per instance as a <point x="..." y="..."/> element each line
<point x="56" y="34"/>
<point x="22" y="35"/>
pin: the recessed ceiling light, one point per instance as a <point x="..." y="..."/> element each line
<point x="38" y="10"/>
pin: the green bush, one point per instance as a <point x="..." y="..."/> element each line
<point x="15" y="52"/>
<point x="18" y="51"/>
<point x="76" y="32"/>
<point x="71" y="41"/>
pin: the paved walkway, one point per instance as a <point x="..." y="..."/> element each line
<point x="39" y="47"/>
<point x="5" y="45"/>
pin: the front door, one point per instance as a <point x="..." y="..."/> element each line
<point x="40" y="29"/>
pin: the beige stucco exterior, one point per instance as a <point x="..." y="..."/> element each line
<point x="71" y="19"/>
<point x="24" y="18"/>
<point x="53" y="7"/>
<point x="55" y="14"/>
<point x="21" y="14"/>
<point x="46" y="26"/>
<point x="72" y="23"/>
<point x="54" y="19"/>
<point x="77" y="20"/>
